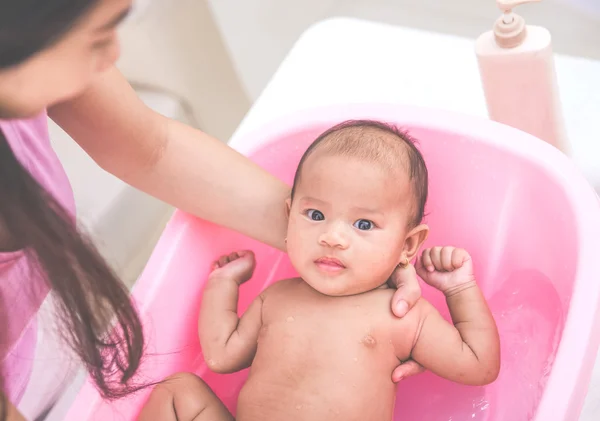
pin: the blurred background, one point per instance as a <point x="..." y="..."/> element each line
<point x="205" y="62"/>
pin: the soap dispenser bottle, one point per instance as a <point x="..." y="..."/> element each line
<point x="516" y="65"/>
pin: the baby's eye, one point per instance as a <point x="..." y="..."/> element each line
<point x="315" y="215"/>
<point x="364" y="225"/>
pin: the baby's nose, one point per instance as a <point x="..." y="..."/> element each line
<point x="334" y="237"/>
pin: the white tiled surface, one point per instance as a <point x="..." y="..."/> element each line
<point x="346" y="61"/>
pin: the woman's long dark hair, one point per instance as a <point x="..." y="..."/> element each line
<point x="88" y="293"/>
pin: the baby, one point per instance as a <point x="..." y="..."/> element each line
<point x="323" y="346"/>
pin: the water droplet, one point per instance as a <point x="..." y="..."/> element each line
<point x="298" y="407"/>
<point x="355" y="359"/>
<point x="290" y="319"/>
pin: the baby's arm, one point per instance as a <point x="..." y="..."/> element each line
<point x="467" y="352"/>
<point x="229" y="342"/>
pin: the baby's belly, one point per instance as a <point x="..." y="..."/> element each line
<point x="318" y="387"/>
<point x="320" y="399"/>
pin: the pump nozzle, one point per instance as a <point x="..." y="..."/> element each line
<point x="510" y="29"/>
<point x="507" y="5"/>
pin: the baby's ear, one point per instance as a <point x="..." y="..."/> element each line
<point x="288" y="206"/>
<point x="414" y="240"/>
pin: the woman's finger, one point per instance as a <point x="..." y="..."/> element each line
<point x="408" y="290"/>
<point x="407" y="369"/>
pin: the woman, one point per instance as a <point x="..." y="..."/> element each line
<point x="57" y="57"/>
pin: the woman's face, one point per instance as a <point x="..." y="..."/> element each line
<point x="66" y="68"/>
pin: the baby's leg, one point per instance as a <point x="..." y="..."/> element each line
<point x="184" y="397"/>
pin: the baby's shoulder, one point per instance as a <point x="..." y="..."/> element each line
<point x="380" y="298"/>
<point x="283" y="287"/>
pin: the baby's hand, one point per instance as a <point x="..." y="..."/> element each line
<point x="238" y="266"/>
<point x="448" y="269"/>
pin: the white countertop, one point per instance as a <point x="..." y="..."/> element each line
<point x="348" y="61"/>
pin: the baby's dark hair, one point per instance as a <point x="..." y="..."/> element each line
<point x="378" y="142"/>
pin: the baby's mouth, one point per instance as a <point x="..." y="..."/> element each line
<point x="330" y="264"/>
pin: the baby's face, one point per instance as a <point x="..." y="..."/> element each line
<point x="348" y="223"/>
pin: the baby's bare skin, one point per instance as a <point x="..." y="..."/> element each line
<point x="316" y="357"/>
<point x="324" y="358"/>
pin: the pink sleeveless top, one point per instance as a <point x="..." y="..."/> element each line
<point x="21" y="291"/>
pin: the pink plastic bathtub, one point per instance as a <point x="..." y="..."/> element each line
<point x="526" y="214"/>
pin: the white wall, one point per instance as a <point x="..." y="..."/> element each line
<point x="175" y="45"/>
<point x="260" y="32"/>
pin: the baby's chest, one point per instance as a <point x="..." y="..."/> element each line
<point x="319" y="333"/>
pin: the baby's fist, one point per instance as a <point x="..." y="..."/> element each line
<point x="448" y="269"/>
<point x="238" y="266"/>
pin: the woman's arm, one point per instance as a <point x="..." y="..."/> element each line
<point x="185" y="167"/>
<point x="174" y="162"/>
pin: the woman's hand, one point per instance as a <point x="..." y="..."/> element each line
<point x="406" y="369"/>
<point x="408" y="292"/>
